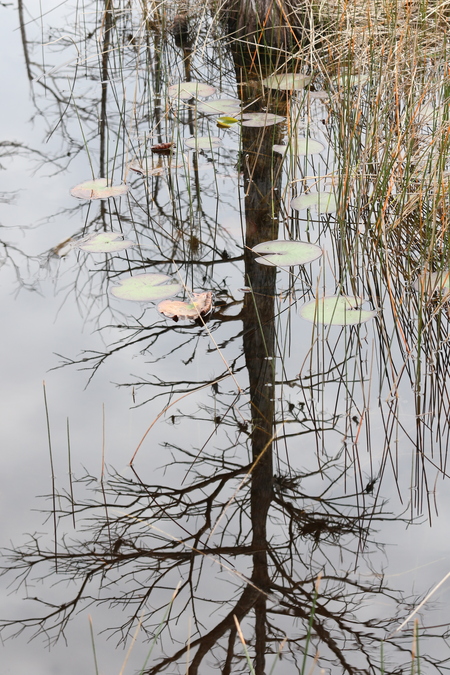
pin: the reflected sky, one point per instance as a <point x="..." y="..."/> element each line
<point x="41" y="325"/>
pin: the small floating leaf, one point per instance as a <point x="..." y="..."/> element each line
<point x="301" y="146"/>
<point x="287" y="82"/>
<point x="186" y="90"/>
<point x="145" y="169"/>
<point x="336" y="310"/>
<point x="105" y="242"/>
<point x="261" y="119"/>
<point x="434" y="282"/>
<point x="98" y="189"/>
<point x="146" y="287"/>
<point x="220" y="107"/>
<point x="226" y="121"/>
<point x="203" y="142"/>
<point x="162" y="148"/>
<point x="323" y="202"/>
<point x="287" y="253"/>
<point x="200" y="304"/>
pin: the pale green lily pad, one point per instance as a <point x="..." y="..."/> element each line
<point x="105" y="242"/>
<point x="287" y="82"/>
<point x="98" y="189"/>
<point x="322" y="202"/>
<point x="301" y="146"/>
<point x="203" y="142"/>
<point x="145" y="168"/>
<point x="222" y="106"/>
<point x="146" y="287"/>
<point x="284" y="253"/>
<point x="350" y="80"/>
<point x="186" y="90"/>
<point x="261" y="119"/>
<point x="434" y="282"/>
<point x="336" y="310"/>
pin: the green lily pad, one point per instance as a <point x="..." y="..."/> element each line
<point x="322" y="202"/>
<point x="146" y="287"/>
<point x="283" y="253"/>
<point x="203" y="142"/>
<point x="301" y="146"/>
<point x="105" y="242"/>
<point x="186" y="90"/>
<point x="222" y="106"/>
<point x="287" y="82"/>
<point x="336" y="310"/>
<point x="98" y="189"/>
<point x="227" y="119"/>
<point x="261" y="119"/>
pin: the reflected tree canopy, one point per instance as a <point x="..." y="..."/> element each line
<point x="274" y="517"/>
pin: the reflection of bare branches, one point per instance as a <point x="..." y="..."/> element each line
<point x="133" y="544"/>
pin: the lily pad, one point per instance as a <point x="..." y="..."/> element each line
<point x="284" y="253"/>
<point x="105" y="242"/>
<point x="347" y="80"/>
<point x="145" y="169"/>
<point x="200" y="304"/>
<point x="186" y="90"/>
<point x="287" y="82"/>
<point x="203" y="142"/>
<point x="98" y="189"/>
<point x="323" y="202"/>
<point x="146" y="287"/>
<point x="434" y="282"/>
<point x="336" y="310"/>
<point x="301" y="146"/>
<point x="222" y="106"/>
<point x="261" y="119"/>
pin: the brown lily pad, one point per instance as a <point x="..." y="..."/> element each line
<point x="163" y="148"/>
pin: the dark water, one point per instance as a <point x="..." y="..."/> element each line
<point x="278" y="453"/>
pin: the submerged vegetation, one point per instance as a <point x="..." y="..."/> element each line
<point x="279" y="184"/>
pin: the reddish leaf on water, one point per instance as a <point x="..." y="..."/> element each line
<point x="162" y="148"/>
<point x="199" y="305"/>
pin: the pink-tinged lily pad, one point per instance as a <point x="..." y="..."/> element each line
<point x="98" y="189"/>
<point x="287" y="81"/>
<point x="300" y="146"/>
<point x="261" y="119"/>
<point x="105" y="242"/>
<point x="222" y="106"/>
<point x="284" y="253"/>
<point x="146" y="287"/>
<point x="203" y="142"/>
<point x="199" y="304"/>
<point x="434" y="282"/>
<point x="336" y="310"/>
<point x="322" y="202"/>
<point x="187" y="90"/>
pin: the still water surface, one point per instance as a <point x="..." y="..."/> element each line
<point x="331" y="439"/>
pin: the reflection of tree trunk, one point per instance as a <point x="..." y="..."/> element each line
<point x="24" y="40"/>
<point x="261" y="208"/>
<point x="107" y="27"/>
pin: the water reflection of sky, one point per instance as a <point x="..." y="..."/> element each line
<point x="37" y="327"/>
